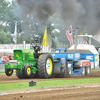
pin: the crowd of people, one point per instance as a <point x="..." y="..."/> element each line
<point x="5" y="59"/>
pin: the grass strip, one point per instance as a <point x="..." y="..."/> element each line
<point x="3" y="73"/>
<point x="48" y="84"/>
<point x="95" y="69"/>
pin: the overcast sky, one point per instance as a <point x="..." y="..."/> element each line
<point x="9" y="0"/>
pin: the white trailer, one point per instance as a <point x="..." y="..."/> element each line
<point x="86" y="50"/>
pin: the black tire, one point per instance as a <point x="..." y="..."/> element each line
<point x="83" y="71"/>
<point x="28" y="71"/>
<point x="42" y="71"/>
<point x="33" y="76"/>
<point x="9" y="72"/>
<point x="87" y="70"/>
<point x="20" y="75"/>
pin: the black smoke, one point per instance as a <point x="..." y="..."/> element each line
<point x="82" y="13"/>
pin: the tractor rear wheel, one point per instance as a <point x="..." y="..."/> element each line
<point x="45" y="66"/>
<point x="28" y="71"/>
<point x="9" y="72"/>
<point x="88" y="70"/>
<point x="19" y="74"/>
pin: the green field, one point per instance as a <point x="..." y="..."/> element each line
<point x="3" y="73"/>
<point x="95" y="69"/>
<point x="48" y="84"/>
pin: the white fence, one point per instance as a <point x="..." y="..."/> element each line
<point x="2" y="68"/>
<point x="14" y="46"/>
<point x="6" y="49"/>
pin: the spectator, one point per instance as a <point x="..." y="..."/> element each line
<point x="10" y="57"/>
<point x="6" y="59"/>
<point x="0" y="60"/>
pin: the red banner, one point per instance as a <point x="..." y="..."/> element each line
<point x="86" y="63"/>
<point x="69" y="35"/>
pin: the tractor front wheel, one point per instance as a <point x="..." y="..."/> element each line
<point x="45" y="66"/>
<point x="9" y="72"/>
<point x="28" y="71"/>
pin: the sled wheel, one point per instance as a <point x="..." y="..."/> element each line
<point x="45" y="66"/>
<point x="83" y="71"/>
<point x="28" y="71"/>
<point x="64" y="71"/>
<point x="20" y="75"/>
<point x="88" y="70"/>
<point x="9" y="72"/>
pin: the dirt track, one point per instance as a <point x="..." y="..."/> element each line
<point x="13" y="79"/>
<point x="92" y="93"/>
<point x="69" y="94"/>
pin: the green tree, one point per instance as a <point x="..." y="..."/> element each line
<point x="3" y="38"/>
<point x="7" y="17"/>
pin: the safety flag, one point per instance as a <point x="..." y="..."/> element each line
<point x="69" y="35"/>
<point x="15" y="33"/>
<point x="45" y="40"/>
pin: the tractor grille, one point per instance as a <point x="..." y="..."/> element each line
<point x="13" y="62"/>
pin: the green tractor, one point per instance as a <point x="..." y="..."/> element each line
<point x="30" y="63"/>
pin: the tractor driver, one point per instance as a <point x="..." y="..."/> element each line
<point x="36" y="49"/>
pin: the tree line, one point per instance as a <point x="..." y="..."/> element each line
<point x="29" y="27"/>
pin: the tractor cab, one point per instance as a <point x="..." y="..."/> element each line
<point x="59" y="50"/>
<point x="83" y="38"/>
